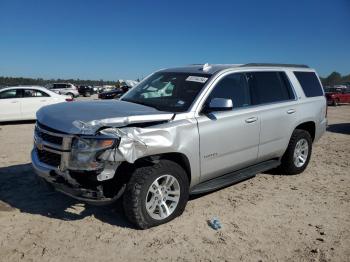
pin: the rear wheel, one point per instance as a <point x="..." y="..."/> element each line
<point x="156" y="194"/>
<point x="297" y="156"/>
<point x="87" y="94"/>
<point x="335" y="102"/>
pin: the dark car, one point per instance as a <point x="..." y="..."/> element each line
<point x="116" y="93"/>
<point x="337" y="96"/>
<point x="85" y="90"/>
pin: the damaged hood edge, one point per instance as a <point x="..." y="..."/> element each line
<point x="90" y="127"/>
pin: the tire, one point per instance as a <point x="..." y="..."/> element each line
<point x="87" y="94"/>
<point x="288" y="165"/>
<point x="70" y="94"/>
<point x="137" y="193"/>
<point x="335" y="102"/>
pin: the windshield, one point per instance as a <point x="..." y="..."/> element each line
<point x="168" y="91"/>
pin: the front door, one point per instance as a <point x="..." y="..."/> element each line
<point x="10" y="106"/>
<point x="32" y="101"/>
<point x="229" y="140"/>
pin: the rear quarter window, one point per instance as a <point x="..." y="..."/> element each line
<point x="309" y="83"/>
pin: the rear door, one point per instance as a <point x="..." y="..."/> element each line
<point x="32" y="101"/>
<point x="272" y="93"/>
<point x="10" y="106"/>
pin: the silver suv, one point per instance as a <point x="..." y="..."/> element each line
<point x="64" y="89"/>
<point x="181" y="131"/>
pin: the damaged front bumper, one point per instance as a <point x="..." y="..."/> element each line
<point x="86" y="166"/>
<point x="60" y="182"/>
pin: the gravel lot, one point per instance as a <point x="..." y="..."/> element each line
<point x="267" y="218"/>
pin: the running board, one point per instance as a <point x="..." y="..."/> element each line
<point x="233" y="177"/>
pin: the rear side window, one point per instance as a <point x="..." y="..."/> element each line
<point x="34" y="93"/>
<point x="310" y="83"/>
<point x="269" y="87"/>
<point x="59" y="86"/>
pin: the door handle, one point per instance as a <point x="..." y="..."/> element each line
<point x="42" y="100"/>
<point x="251" y="120"/>
<point x="14" y="102"/>
<point x="291" y="111"/>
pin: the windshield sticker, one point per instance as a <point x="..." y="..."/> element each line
<point x="198" y="79"/>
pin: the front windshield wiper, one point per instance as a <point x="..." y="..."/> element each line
<point x="140" y="103"/>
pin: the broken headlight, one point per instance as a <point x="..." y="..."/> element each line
<point x="93" y="144"/>
<point x="86" y="149"/>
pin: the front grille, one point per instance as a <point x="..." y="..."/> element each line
<point x="49" y="138"/>
<point x="48" y="134"/>
<point x="49" y="158"/>
<point x="49" y="128"/>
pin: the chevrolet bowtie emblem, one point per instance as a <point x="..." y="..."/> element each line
<point x="39" y="143"/>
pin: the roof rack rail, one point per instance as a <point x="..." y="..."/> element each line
<point x="274" y="65"/>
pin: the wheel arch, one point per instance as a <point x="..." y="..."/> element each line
<point x="125" y="169"/>
<point x="180" y="159"/>
<point x="308" y="126"/>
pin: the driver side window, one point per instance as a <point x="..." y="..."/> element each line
<point x="12" y="93"/>
<point x="234" y="87"/>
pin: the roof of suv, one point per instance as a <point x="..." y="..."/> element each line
<point x="214" y="68"/>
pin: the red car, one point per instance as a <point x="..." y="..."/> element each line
<point x="337" y="96"/>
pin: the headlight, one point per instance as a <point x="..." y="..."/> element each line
<point x="85" y="150"/>
<point x="93" y="144"/>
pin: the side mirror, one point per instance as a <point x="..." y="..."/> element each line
<point x="219" y="104"/>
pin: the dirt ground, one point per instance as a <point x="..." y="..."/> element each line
<point x="267" y="218"/>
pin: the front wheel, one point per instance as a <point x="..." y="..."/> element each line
<point x="156" y="194"/>
<point x="71" y="95"/>
<point x="297" y="156"/>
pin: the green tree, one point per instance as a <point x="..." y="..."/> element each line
<point x="333" y="79"/>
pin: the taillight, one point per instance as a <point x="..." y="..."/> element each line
<point x="70" y="99"/>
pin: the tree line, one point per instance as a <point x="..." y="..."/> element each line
<point x="15" y="81"/>
<point x="334" y="78"/>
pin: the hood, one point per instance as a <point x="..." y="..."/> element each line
<point x="89" y="116"/>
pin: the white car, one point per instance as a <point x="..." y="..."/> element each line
<point x="22" y="102"/>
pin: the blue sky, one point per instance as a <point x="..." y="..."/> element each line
<point x="129" y="39"/>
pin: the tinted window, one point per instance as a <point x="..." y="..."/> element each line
<point x="310" y="84"/>
<point x="12" y="93"/>
<point x="269" y="87"/>
<point x="59" y="86"/>
<point x="34" y="93"/>
<point x="234" y="87"/>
